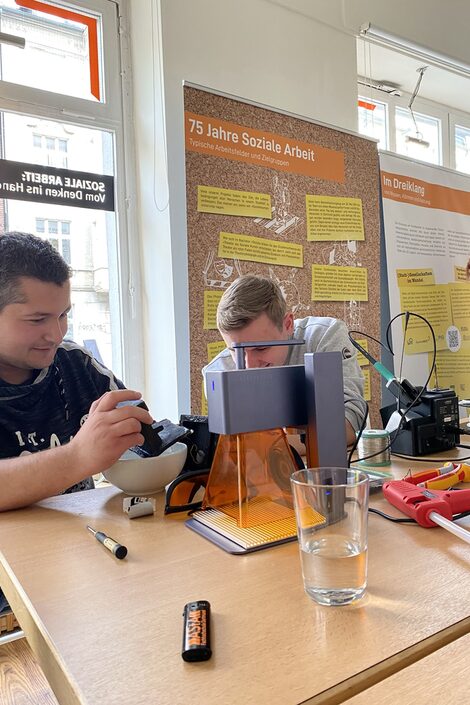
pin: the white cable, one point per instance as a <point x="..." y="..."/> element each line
<point x="450" y="526"/>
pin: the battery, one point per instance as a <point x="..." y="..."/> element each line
<point x="196" y="631"/>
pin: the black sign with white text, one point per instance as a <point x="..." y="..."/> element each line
<point x="46" y="184"/>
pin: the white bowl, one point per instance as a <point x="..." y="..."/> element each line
<point x="142" y="476"/>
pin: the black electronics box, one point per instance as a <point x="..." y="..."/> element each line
<point x="426" y="429"/>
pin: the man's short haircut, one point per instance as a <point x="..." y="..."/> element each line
<point x="247" y="298"/>
<point x="25" y="255"/>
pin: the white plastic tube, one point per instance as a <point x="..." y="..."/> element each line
<point x="450" y="526"/>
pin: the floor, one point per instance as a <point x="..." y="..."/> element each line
<point x="22" y="681"/>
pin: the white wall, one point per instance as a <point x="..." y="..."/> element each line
<point x="249" y="48"/>
<point x="161" y="390"/>
<point x="296" y="55"/>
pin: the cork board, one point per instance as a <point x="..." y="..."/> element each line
<point x="273" y="194"/>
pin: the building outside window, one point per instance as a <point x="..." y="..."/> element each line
<point x="373" y="120"/>
<point x="69" y="69"/>
<point x="419" y="138"/>
<point x="440" y="136"/>
<point x="50" y="150"/>
<point x="58" y="234"/>
<point x="462" y="149"/>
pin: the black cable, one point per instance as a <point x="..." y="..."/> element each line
<point x="407" y="520"/>
<point x="387" y="332"/>
<point x="402" y="356"/>
<point x="297" y="457"/>
<point x="424" y="387"/>
<point x="461" y="515"/>
<point x="457" y="429"/>
<point x="359" y="434"/>
<point x="371" y="337"/>
<point x="397" y="520"/>
<point x="403" y="413"/>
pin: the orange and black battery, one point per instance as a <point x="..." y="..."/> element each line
<point x="196" y="631"/>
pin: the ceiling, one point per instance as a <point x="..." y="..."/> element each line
<point x="383" y="64"/>
<point x="388" y="66"/>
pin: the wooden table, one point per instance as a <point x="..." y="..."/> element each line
<point x="109" y="632"/>
<point x="439" y="678"/>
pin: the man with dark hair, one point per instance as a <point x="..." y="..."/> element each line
<point x="54" y="396"/>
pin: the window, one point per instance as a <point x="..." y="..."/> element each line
<point x="61" y="106"/>
<point x="462" y="149"/>
<point x="438" y="137"/>
<point x="62" y="48"/>
<point x="52" y="227"/>
<point x="47" y="228"/>
<point x="65" y="249"/>
<point x="419" y="138"/>
<point x="373" y="120"/>
<point x="50" y="150"/>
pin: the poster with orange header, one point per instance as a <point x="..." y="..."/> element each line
<point x="278" y="195"/>
<point x="427" y="235"/>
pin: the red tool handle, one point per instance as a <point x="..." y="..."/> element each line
<point x="417" y="502"/>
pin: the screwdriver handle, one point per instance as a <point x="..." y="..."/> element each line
<point x="116" y="548"/>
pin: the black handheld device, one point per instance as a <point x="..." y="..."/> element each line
<point x="159" y="435"/>
<point x="196" y="631"/>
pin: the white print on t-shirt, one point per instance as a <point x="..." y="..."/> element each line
<point x="31" y="440"/>
<point x="31" y="437"/>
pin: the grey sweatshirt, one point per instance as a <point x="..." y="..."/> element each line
<point x="320" y="335"/>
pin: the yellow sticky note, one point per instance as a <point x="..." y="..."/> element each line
<point x="330" y="283"/>
<point x="367" y="393"/>
<point x="432" y="302"/>
<point x="453" y="370"/>
<point x="214" y="349"/>
<point x="204" y="410"/>
<point x="415" y="277"/>
<point x="211" y="301"/>
<point x="260" y="249"/>
<point x="334" y="218"/>
<point x="364" y="343"/>
<point x="231" y="202"/>
<point x="460" y="274"/>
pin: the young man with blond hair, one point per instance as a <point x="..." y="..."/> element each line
<point x="253" y="309"/>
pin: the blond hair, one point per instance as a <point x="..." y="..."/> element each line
<point x="247" y="298"/>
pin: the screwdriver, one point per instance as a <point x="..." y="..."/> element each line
<point x="116" y="548"/>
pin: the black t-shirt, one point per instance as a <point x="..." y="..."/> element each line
<point x="49" y="410"/>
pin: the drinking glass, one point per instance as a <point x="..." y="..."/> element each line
<point x="331" y="511"/>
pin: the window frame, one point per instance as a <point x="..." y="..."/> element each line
<point x="420" y="114"/>
<point x="376" y="101"/>
<point x="109" y="109"/>
<point x="420" y="105"/>
<point x="457" y="119"/>
<point x="115" y="115"/>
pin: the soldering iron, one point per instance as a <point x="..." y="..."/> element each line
<point x="424" y="421"/>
